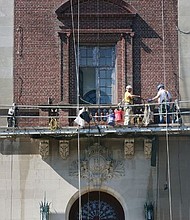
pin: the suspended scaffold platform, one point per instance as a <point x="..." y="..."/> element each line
<point x="60" y="120"/>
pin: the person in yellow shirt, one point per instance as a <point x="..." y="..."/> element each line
<point x="128" y="100"/>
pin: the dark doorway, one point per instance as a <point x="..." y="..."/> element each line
<point x="97" y="205"/>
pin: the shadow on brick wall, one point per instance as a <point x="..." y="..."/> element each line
<point x="143" y="32"/>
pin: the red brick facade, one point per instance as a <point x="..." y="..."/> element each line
<point x="44" y="64"/>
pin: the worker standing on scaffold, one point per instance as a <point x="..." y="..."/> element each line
<point x="128" y="100"/>
<point x="12" y="113"/>
<point x="164" y="98"/>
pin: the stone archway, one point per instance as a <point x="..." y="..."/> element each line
<point x="97" y="205"/>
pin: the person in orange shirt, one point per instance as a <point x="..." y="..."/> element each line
<point x="128" y="100"/>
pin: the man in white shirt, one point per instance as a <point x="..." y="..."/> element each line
<point x="163" y="97"/>
<point x="11" y="120"/>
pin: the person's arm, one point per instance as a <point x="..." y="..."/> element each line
<point x="135" y="96"/>
<point x="155" y="97"/>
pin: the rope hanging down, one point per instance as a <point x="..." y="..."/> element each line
<point x="77" y="79"/>
<point x="168" y="180"/>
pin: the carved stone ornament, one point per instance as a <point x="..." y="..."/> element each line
<point x="147" y="148"/>
<point x="44" y="148"/>
<point x="64" y="149"/>
<point x="129" y="148"/>
<point x="97" y="166"/>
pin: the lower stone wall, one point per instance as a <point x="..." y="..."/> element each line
<point x="177" y="190"/>
<point x="28" y="175"/>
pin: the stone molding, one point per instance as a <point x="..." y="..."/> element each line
<point x="44" y="148"/>
<point x="64" y="149"/>
<point x="147" y="148"/>
<point x="129" y="148"/>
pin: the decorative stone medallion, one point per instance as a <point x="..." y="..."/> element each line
<point x="97" y="165"/>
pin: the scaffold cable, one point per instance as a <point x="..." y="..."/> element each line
<point x="168" y="178"/>
<point x="76" y="52"/>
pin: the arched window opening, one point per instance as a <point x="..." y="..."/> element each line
<point x="97" y="205"/>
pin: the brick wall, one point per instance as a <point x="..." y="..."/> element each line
<point x="44" y="65"/>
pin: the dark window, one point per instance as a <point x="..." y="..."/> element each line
<point x="97" y="74"/>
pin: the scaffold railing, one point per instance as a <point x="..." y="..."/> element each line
<point x="58" y="118"/>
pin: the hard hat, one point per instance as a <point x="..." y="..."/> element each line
<point x="129" y="87"/>
<point x="160" y="86"/>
